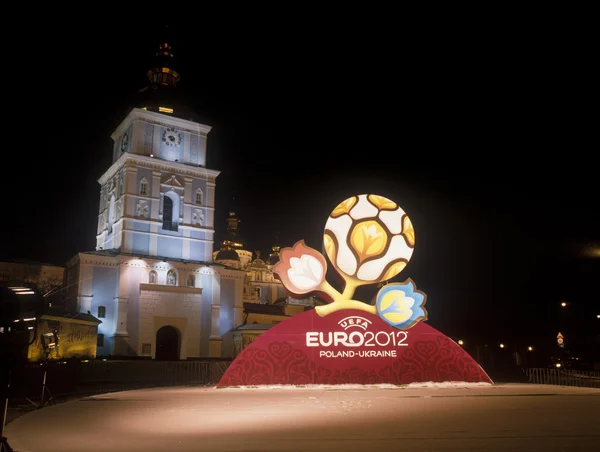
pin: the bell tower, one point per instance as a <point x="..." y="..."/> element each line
<point x="158" y="198"/>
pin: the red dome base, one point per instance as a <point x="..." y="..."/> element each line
<point x="350" y="347"/>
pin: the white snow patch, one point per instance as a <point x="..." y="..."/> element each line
<point x="428" y="384"/>
<point x="448" y="384"/>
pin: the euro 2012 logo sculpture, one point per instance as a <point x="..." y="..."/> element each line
<point x="369" y="239"/>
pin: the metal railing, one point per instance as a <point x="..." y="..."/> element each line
<point x="152" y="372"/>
<point x="97" y="376"/>
<point x="564" y="377"/>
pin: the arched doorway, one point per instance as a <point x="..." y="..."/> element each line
<point x="167" y="343"/>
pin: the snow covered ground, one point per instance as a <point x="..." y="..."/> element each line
<point x="418" y="417"/>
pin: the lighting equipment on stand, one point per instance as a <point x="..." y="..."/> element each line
<point x="50" y="344"/>
<point x="20" y="310"/>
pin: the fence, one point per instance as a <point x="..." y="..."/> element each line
<point x="96" y="376"/>
<point x="583" y="378"/>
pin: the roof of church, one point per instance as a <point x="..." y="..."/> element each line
<point x="28" y="262"/>
<point x="273" y="259"/>
<point x="274" y="256"/>
<point x="227" y="254"/>
<point x="258" y="263"/>
<point x="155" y="98"/>
<point x="254" y="326"/>
<point x="58" y="311"/>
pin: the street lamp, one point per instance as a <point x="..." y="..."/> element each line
<point x="460" y="342"/>
<point x="563" y="304"/>
<point x="530" y="348"/>
<point x="501" y="345"/>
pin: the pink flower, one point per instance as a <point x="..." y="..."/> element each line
<point x="301" y="269"/>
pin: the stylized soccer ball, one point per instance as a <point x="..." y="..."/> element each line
<point x="369" y="238"/>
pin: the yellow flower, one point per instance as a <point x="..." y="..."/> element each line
<point x="368" y="239"/>
<point x="396" y="307"/>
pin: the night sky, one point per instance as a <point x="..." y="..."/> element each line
<point x="485" y="142"/>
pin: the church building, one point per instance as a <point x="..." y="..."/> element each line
<point x="152" y="280"/>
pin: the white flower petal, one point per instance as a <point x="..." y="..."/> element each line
<point x="305" y="272"/>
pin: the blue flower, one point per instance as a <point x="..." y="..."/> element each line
<point x="401" y="304"/>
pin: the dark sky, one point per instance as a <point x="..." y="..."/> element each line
<point x="485" y="140"/>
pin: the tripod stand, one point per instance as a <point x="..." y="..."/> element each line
<point x="4" y="446"/>
<point x="45" y="390"/>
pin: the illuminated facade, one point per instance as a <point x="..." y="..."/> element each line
<point x="157" y="198"/>
<point x="151" y="279"/>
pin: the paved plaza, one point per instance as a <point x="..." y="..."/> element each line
<point x="502" y="417"/>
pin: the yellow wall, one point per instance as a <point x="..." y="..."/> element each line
<point x="265" y="319"/>
<point x="291" y="309"/>
<point x="76" y="339"/>
<point x="270" y="319"/>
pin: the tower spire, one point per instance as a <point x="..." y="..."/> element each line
<point x="163" y="91"/>
<point x="162" y="72"/>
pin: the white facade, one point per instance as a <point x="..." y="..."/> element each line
<point x="152" y="268"/>
<point x="157" y="198"/>
<point x="134" y="297"/>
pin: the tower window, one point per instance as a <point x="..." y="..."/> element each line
<point x="152" y="277"/>
<point x="199" y="196"/>
<point x="170" y="212"/>
<point x="143" y="187"/>
<point x="111" y="213"/>
<point x="100" y="340"/>
<point x="101" y="312"/>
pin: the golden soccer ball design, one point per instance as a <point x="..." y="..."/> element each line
<point x="369" y="239"/>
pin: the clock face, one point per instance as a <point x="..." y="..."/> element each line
<point x="171" y="137"/>
<point x="124" y="142"/>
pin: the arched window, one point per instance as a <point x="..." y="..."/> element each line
<point x="170" y="211"/>
<point x="199" y="196"/>
<point x="111" y="213"/>
<point x="172" y="278"/>
<point x="152" y="277"/>
<point x="191" y="281"/>
<point x="144" y="187"/>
